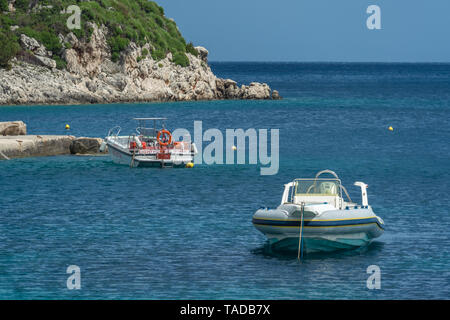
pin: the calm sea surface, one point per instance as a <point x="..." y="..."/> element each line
<point x="187" y="233"/>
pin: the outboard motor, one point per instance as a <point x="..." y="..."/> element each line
<point x="102" y="147"/>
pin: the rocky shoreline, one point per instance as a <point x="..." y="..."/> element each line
<point x="92" y="77"/>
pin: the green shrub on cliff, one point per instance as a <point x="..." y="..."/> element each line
<point x="117" y="44"/>
<point x="140" y="21"/>
<point x="22" y="4"/>
<point x="179" y="58"/>
<point x="9" y="48"/>
<point x="3" y="5"/>
<point x="158" y="54"/>
<point x="190" y="48"/>
<point x="5" y="22"/>
<point x="60" y="63"/>
<point x="48" y="39"/>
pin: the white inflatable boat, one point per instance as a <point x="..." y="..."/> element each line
<point x="314" y="216"/>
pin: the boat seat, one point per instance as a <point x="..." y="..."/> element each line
<point x="318" y="198"/>
<point x="328" y="187"/>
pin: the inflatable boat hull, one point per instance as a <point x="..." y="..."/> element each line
<point x="328" y="231"/>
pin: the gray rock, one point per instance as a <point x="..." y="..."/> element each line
<point x="36" y="53"/>
<point x="47" y="62"/>
<point x="71" y="39"/>
<point x="86" y="58"/>
<point x="28" y="43"/>
<point x="41" y="51"/>
<point x="229" y="83"/>
<point x="276" y="95"/>
<point x="92" y="86"/>
<point x="118" y="82"/>
<point x="61" y="38"/>
<point x="203" y="53"/>
<point x="256" y="91"/>
<point x="11" y="6"/>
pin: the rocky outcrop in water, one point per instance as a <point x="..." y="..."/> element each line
<point x="276" y="95"/>
<point x="92" y="77"/>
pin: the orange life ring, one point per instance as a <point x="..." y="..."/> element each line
<point x="166" y="136"/>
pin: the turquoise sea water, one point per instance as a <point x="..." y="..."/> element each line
<point x="187" y="234"/>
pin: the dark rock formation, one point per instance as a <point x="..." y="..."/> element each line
<point x="85" y="145"/>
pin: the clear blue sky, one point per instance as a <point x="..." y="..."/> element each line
<point x="315" y="30"/>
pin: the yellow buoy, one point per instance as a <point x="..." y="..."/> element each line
<point x="67" y="127"/>
<point x="189" y="165"/>
<point x="234" y="148"/>
<point x="390" y="128"/>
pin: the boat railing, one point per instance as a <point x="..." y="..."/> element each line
<point x="116" y="130"/>
<point x="336" y="176"/>
<point x="346" y="193"/>
<point x="147" y="132"/>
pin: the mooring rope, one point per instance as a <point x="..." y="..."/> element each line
<point x="300" y="236"/>
<point x="132" y="158"/>
<point x="4" y="155"/>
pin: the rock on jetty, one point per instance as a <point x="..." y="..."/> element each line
<point x="13" y="128"/>
<point x="85" y="145"/>
<point x="92" y="77"/>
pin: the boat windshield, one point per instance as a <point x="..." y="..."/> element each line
<point x="317" y="187"/>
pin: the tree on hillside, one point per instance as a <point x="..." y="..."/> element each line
<point x="3" y="5"/>
<point x="10" y="47"/>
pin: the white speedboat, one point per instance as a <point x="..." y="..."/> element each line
<point x="149" y="146"/>
<point x="314" y="216"/>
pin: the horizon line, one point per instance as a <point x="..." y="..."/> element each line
<point x="314" y="61"/>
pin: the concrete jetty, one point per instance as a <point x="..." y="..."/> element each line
<point x="15" y="143"/>
<point x="24" y="146"/>
<point x="34" y="146"/>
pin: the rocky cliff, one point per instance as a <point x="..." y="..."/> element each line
<point x="90" y="74"/>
